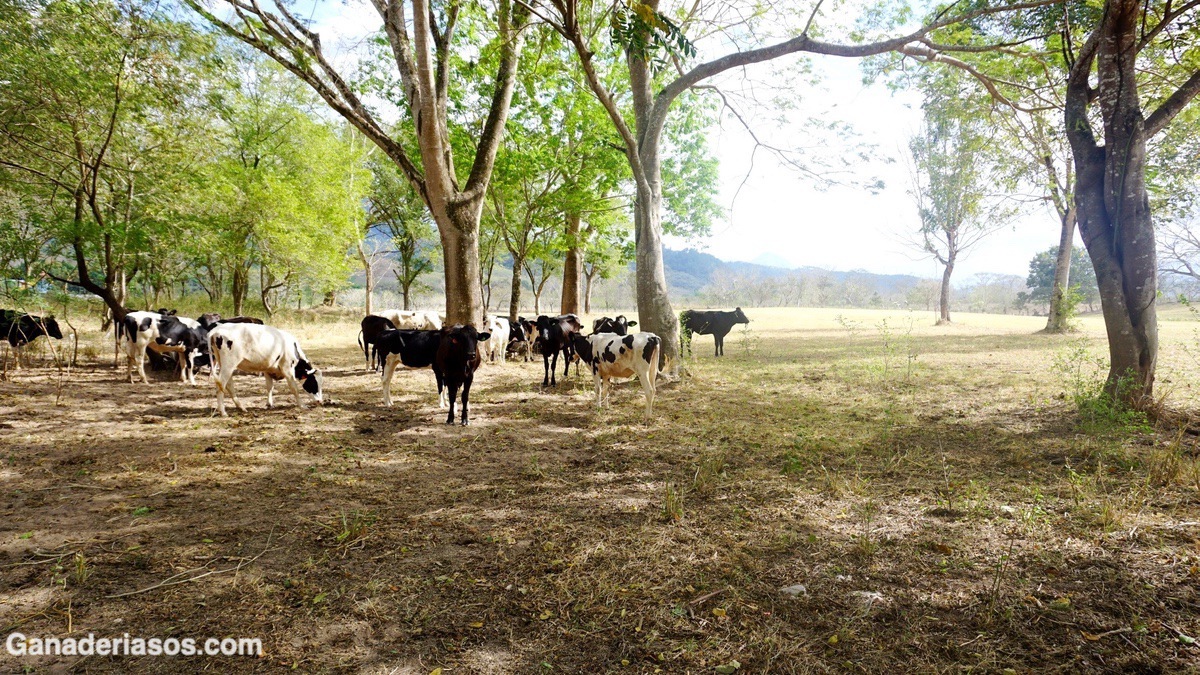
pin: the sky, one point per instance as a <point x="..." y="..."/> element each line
<point x="779" y="215"/>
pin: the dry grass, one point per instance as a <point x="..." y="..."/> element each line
<point x="929" y="487"/>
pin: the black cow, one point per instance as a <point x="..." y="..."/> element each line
<point x="191" y="341"/>
<point x="554" y="336"/>
<point x="20" y="329"/>
<point x="714" y="323"/>
<point x="619" y="325"/>
<point x="372" y="327"/>
<point x="209" y="321"/>
<point x="456" y="361"/>
<point x="411" y="349"/>
<point x="243" y="319"/>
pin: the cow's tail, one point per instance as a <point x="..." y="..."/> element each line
<point x="214" y="355"/>
<point x="362" y="345"/>
<point x="656" y="357"/>
<point x="685" y="333"/>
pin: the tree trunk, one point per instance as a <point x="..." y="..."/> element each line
<point x="944" y="304"/>
<point x="587" y="292"/>
<point x="460" y="242"/>
<point x="1058" y="320"/>
<point x="368" y="278"/>
<point x="330" y="299"/>
<point x="572" y="267"/>
<point x="239" y="286"/>
<point x="1111" y="199"/>
<point x="514" y="298"/>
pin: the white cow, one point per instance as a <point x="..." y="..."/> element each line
<point x="407" y="319"/>
<point x="611" y="355"/>
<point x="260" y="349"/>
<point x="495" y="346"/>
<point x="140" y="331"/>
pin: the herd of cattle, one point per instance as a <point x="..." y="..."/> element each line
<point x="389" y="340"/>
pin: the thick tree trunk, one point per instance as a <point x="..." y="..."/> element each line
<point x="238" y="287"/>
<point x="514" y="298"/>
<point x="460" y="242"/>
<point x="572" y="266"/>
<point x="1111" y="199"/>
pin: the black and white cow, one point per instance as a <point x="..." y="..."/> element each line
<point x="455" y="364"/>
<point x="619" y="325"/>
<point x="260" y="349"/>
<point x="496" y="346"/>
<point x="715" y="323"/>
<point x="139" y="331"/>
<point x="408" y="319"/>
<point x="554" y="336"/>
<point x="610" y="355"/>
<point x="20" y="329"/>
<point x="190" y="343"/>
<point x="519" y="338"/>
<point x="372" y="327"/>
<point x="409" y="349"/>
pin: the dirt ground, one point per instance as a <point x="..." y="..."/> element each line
<point x="930" y="499"/>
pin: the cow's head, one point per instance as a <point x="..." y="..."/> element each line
<point x="543" y="327"/>
<point x="208" y="321"/>
<point x="308" y="376"/>
<point x="166" y="312"/>
<point x="52" y="328"/>
<point x="463" y="342"/>
<point x="739" y="316"/>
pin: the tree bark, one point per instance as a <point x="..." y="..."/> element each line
<point x="572" y="266"/>
<point x="1111" y="199"/>
<point x="368" y="278"/>
<point x="514" y="298"/>
<point x="1058" y="321"/>
<point x="239" y="286"/>
<point x="944" y="302"/>
<point x="587" y="290"/>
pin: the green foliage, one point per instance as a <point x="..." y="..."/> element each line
<point x="1083" y="276"/>
<point x="1101" y="409"/>
<point x="648" y="34"/>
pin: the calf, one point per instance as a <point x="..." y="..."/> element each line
<point x="260" y="349"/>
<point x="518" y="338"/>
<point x="496" y="345"/>
<point x="611" y="355"/>
<point x="189" y="342"/>
<point x="455" y="363"/>
<point x="618" y="326"/>
<point x="717" y="324"/>
<point x="372" y="327"/>
<point x="411" y="349"/>
<point x="554" y="336"/>
<point x="20" y="329"/>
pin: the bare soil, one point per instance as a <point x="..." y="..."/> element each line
<point x="944" y="512"/>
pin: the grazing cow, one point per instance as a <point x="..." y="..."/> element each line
<point x="137" y="332"/>
<point x="411" y="349"/>
<point x="372" y="327"/>
<point x="260" y="349"/>
<point x="455" y="364"/>
<point x="404" y="319"/>
<point x="20" y="329"/>
<point x="611" y="355"/>
<point x="717" y="324"/>
<point x="618" y="326"/>
<point x="554" y="336"/>
<point x="495" y="346"/>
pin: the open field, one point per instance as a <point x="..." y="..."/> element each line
<point x="932" y="489"/>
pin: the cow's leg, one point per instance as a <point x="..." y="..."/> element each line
<point x="270" y="391"/>
<point x="453" y="394"/>
<point x="553" y="368"/>
<point x="141" y="365"/>
<point x="441" y="385"/>
<point x="546" y="365"/>
<point x="220" y="395"/>
<point x="465" y="396"/>
<point x="647" y="379"/>
<point x="291" y="380"/>
<point x="389" y="369"/>
<point x="599" y="388"/>
<point x="718" y="343"/>
<point x="567" y="357"/>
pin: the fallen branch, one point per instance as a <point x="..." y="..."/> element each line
<point x="174" y="580"/>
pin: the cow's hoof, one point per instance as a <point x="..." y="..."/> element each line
<point x="450" y="421"/>
<point x="466" y="423"/>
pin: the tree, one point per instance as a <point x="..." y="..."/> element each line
<point x="1043" y="278"/>
<point x="397" y="211"/>
<point x="651" y="41"/>
<point x="607" y="252"/>
<point x="952" y="174"/>
<point x="92" y="108"/>
<point x="423" y="45"/>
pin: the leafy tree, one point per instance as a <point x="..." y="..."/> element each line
<point x="1043" y="273"/>
<point x="397" y="210"/>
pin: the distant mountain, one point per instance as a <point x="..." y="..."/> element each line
<point x="773" y="260"/>
<point x="690" y="270"/>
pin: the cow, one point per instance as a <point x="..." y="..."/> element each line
<point x="554" y="336"/>
<point x="519" y="338"/>
<point x="372" y="327"/>
<point x="260" y="349"/>
<point x="404" y="319"/>
<point x="188" y="341"/>
<point x="137" y="332"/>
<point x="496" y="346"/>
<point x="455" y="364"/>
<point x="618" y="326"/>
<point x="20" y="329"/>
<point x="411" y="349"/>
<point x="715" y="323"/>
<point x="610" y="355"/>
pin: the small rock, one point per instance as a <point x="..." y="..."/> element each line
<point x="794" y="591"/>
<point x="1008" y="511"/>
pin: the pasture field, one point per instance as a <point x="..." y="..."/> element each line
<point x="930" y="497"/>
